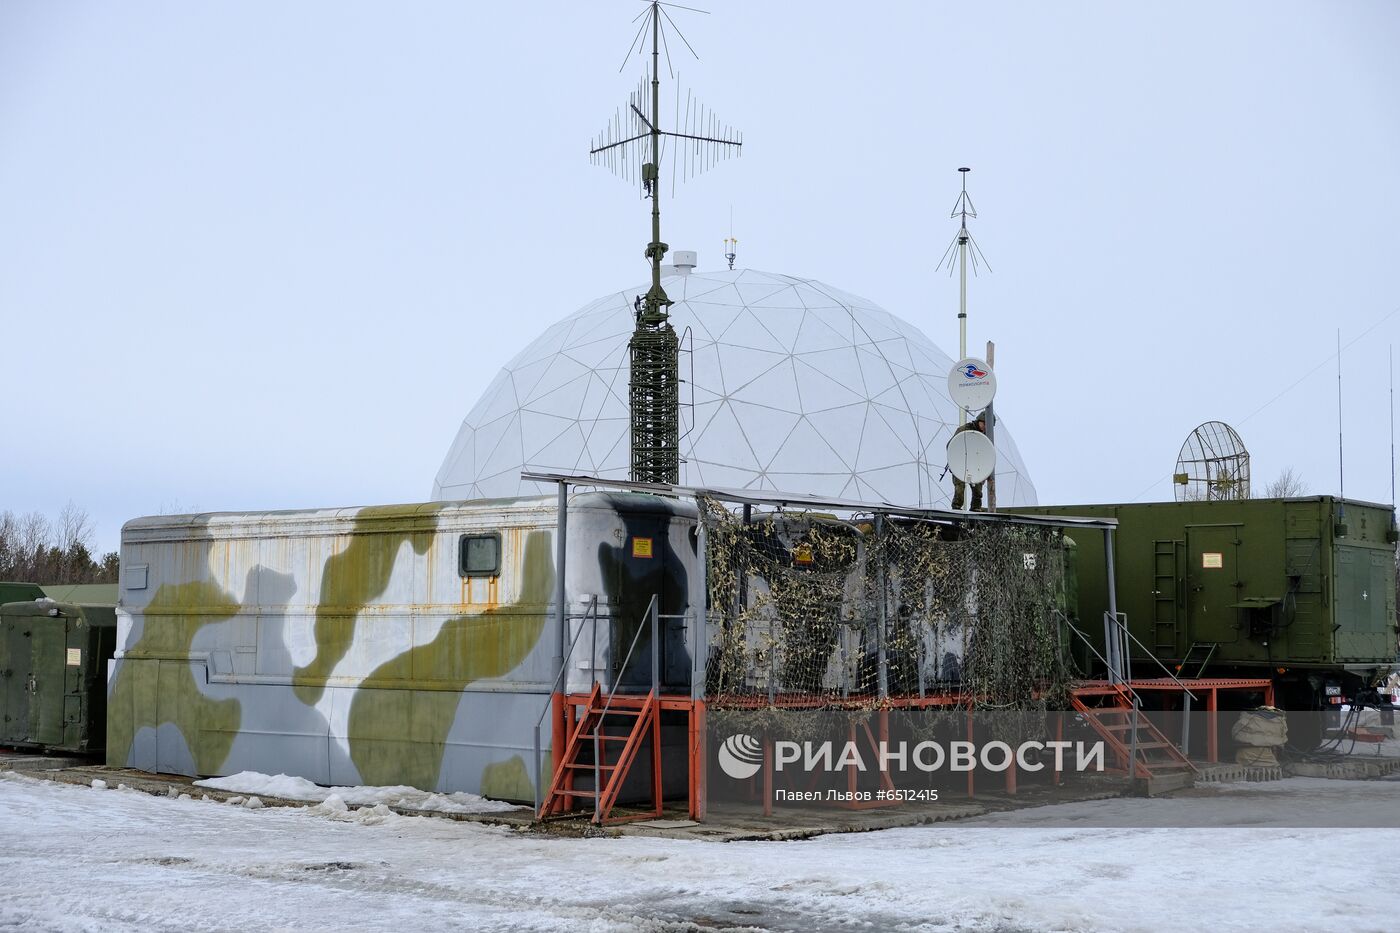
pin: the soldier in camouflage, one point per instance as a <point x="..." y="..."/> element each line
<point x="978" y="423"/>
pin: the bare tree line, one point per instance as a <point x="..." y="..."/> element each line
<point x="1287" y="485"/>
<point x="36" y="549"/>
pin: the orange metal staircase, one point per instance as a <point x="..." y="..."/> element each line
<point x="604" y="733"/>
<point x="1109" y="710"/>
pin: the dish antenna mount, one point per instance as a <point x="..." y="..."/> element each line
<point x="1213" y="465"/>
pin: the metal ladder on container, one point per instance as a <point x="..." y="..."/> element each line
<point x="1199" y="654"/>
<point x="1165" y="630"/>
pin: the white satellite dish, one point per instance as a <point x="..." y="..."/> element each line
<point x="971" y="456"/>
<point x="971" y="384"/>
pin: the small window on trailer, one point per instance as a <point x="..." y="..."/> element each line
<point x="479" y="555"/>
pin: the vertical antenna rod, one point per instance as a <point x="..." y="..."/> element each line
<point x="1341" y="471"/>
<point x="962" y="208"/>
<point x="1392" y="434"/>
<point x="967" y="251"/>
<point x="657" y="302"/>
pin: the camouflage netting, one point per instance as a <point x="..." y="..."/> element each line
<point x="799" y="602"/>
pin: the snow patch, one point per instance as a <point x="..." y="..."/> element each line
<point x="1006" y="871"/>
<point x="409" y="798"/>
<point x="334" y="807"/>
<point x="99" y="784"/>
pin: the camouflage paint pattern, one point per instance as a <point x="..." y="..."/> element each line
<point x="345" y="646"/>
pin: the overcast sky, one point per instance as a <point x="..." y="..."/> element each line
<point x="267" y="255"/>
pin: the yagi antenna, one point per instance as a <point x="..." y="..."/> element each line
<point x="633" y="146"/>
<point x="634" y="138"/>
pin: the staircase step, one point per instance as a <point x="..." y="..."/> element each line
<point x="604" y="737"/>
<point x="1158" y="784"/>
<point x="586" y="721"/>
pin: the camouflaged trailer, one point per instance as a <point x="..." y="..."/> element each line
<point x="406" y="644"/>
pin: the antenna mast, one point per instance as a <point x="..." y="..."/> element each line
<point x="1341" y="467"/>
<point x="967" y="249"/>
<point x="654" y="349"/>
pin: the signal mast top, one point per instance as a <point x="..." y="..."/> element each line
<point x="634" y="135"/>
<point x="966" y="248"/>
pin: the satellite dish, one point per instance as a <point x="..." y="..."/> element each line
<point x="971" y="384"/>
<point x="1213" y="465"/>
<point x="971" y="456"/>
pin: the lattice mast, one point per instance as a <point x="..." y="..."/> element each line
<point x="654" y="350"/>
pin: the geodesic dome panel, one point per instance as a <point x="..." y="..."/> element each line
<point x="790" y="386"/>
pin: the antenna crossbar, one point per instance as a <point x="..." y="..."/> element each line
<point x="620" y="142"/>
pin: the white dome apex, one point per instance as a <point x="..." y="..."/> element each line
<point x="789" y="386"/>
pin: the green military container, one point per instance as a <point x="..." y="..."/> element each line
<point x="1299" y="590"/>
<point x="53" y="674"/>
<point x="15" y="592"/>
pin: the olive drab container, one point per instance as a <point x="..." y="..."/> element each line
<point x="1300" y="590"/>
<point x="53" y="674"/>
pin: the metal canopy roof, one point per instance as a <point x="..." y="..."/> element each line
<point x="805" y="500"/>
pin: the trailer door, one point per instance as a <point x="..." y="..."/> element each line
<point x="15" y="659"/>
<point x="49" y="682"/>
<point x="1213" y="582"/>
<point x="1365" y="604"/>
<point x="646" y="565"/>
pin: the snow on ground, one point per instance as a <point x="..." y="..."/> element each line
<point x="76" y="858"/>
<point x="296" y="788"/>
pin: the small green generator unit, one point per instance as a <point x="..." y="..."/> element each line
<point x="53" y="675"/>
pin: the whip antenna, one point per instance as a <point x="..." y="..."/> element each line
<point x="1341" y="470"/>
<point x="965" y="248"/>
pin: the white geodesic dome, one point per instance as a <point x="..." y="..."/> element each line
<point x="790" y="386"/>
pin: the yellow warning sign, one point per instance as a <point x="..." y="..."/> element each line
<point x="641" y="547"/>
<point x="802" y="554"/>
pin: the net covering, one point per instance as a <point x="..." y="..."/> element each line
<point x="810" y="610"/>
